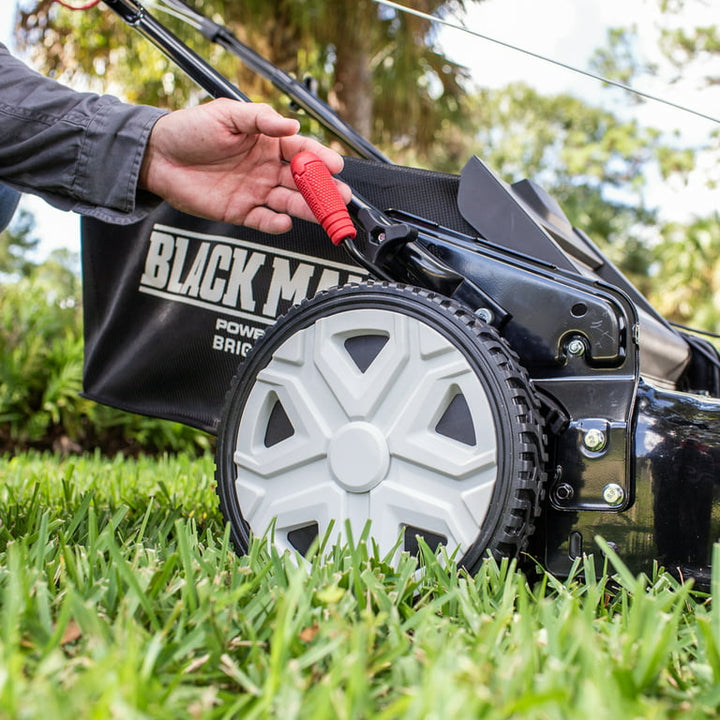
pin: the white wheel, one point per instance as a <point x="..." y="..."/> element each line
<point x="388" y="404"/>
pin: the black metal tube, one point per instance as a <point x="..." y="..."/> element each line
<point x="209" y="79"/>
<point x="296" y="91"/>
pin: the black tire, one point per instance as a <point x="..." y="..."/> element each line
<point x="377" y="342"/>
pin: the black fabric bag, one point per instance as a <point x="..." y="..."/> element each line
<point x="174" y="303"/>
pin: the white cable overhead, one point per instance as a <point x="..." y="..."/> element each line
<point x="538" y="56"/>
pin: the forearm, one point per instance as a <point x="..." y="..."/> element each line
<point x="79" y="151"/>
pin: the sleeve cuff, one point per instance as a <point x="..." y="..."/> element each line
<point x="108" y="165"/>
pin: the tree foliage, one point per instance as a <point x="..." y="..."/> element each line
<point x="686" y="280"/>
<point x="683" y="268"/>
<point x="697" y="45"/>
<point x="595" y="163"/>
<point x="379" y="68"/>
<point x="619" y="59"/>
<point x="16" y="242"/>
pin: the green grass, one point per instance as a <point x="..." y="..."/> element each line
<point x="120" y="597"/>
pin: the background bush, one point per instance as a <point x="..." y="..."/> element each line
<point x="41" y="362"/>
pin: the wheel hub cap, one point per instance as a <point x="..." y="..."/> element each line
<point x="359" y="457"/>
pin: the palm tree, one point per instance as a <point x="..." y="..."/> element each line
<point x="379" y="68"/>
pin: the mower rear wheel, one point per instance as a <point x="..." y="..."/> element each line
<point x="386" y="403"/>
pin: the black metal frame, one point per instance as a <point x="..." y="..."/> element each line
<point x="636" y="464"/>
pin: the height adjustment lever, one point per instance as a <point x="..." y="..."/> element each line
<point x="316" y="184"/>
<point x="382" y="236"/>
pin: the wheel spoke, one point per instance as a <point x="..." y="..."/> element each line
<point x="360" y="393"/>
<point x="415" y="496"/>
<point x="291" y="381"/>
<point x="307" y="503"/>
<point x="433" y="381"/>
<point x="305" y="445"/>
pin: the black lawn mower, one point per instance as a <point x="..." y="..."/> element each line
<point x="463" y="366"/>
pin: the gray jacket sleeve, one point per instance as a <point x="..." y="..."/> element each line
<point x="78" y="151"/>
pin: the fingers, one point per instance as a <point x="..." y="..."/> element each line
<point x="274" y="152"/>
<point x="268" y="221"/>
<point x="290" y="202"/>
<point x="291" y="146"/>
<point x="274" y="216"/>
<point x="251" y="118"/>
<point x="261" y="118"/>
<point x="333" y="161"/>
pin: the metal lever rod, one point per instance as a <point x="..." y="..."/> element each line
<point x="284" y="82"/>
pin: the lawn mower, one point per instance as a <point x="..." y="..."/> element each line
<point x="463" y="368"/>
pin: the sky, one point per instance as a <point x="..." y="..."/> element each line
<point x="566" y="30"/>
<point x="569" y="31"/>
<point x="55" y="229"/>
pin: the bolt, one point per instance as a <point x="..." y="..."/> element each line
<point x="594" y="440"/>
<point x="613" y="494"/>
<point x="564" y="492"/>
<point x="485" y="314"/>
<point x="576" y="347"/>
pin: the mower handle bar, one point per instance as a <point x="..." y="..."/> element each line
<point x="216" y="85"/>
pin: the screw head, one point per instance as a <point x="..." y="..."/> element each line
<point x="576" y="347"/>
<point x="613" y="494"/>
<point x="564" y="492"/>
<point x="484" y="314"/>
<point x="594" y="440"/>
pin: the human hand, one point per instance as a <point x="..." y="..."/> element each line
<point x="229" y="161"/>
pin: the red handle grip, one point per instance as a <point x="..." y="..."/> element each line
<point x="314" y="181"/>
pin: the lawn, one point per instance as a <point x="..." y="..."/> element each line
<point x="120" y="597"/>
